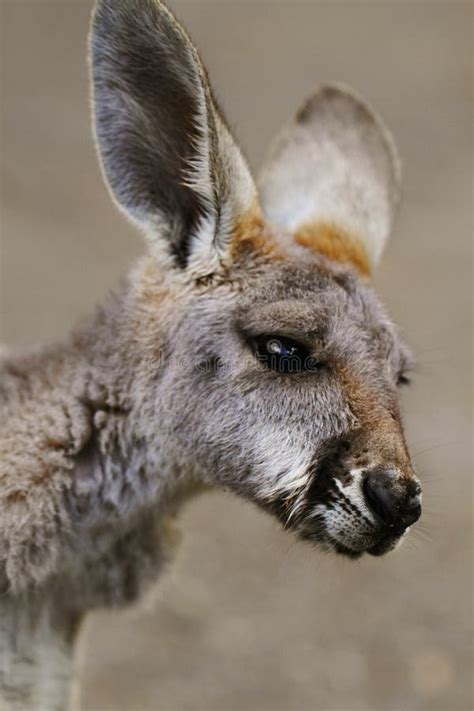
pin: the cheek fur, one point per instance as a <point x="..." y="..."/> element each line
<point x="281" y="463"/>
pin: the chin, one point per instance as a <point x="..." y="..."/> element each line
<point x="355" y="548"/>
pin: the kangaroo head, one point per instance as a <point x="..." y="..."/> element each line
<point x="268" y="365"/>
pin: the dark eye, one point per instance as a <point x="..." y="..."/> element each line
<point x="283" y="354"/>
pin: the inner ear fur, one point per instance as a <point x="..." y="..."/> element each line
<point x="332" y="178"/>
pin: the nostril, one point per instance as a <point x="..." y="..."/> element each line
<point x="412" y="511"/>
<point x="378" y="499"/>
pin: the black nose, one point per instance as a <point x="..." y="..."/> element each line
<point x="395" y="503"/>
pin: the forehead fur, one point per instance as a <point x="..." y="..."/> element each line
<point x="275" y="286"/>
<point x="304" y="292"/>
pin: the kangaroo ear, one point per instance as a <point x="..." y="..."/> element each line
<point x="166" y="153"/>
<point x="332" y="179"/>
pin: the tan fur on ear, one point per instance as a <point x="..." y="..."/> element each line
<point x="335" y="243"/>
<point x="252" y="234"/>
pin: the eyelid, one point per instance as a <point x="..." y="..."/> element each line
<point x="290" y="316"/>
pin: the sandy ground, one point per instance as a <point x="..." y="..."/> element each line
<point x="248" y="620"/>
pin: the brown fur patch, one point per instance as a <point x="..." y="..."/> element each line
<point x="54" y="443"/>
<point x="251" y="234"/>
<point x="336" y="243"/>
<point x="381" y="431"/>
<point x="41" y="477"/>
<point x="15" y="497"/>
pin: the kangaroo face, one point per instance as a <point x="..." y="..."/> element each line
<point x="285" y="390"/>
<point x="280" y="369"/>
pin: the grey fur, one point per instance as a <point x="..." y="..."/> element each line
<point x="159" y="395"/>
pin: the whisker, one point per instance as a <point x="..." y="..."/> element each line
<point x="414" y="543"/>
<point x="421" y="535"/>
<point x="440" y="445"/>
<point x="430" y="478"/>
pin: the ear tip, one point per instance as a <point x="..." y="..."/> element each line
<point x="113" y="11"/>
<point x="341" y="100"/>
<point x="104" y="18"/>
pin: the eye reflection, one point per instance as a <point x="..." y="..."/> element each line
<point x="283" y="355"/>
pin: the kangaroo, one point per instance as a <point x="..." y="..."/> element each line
<point x="246" y="350"/>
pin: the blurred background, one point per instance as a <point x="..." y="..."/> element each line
<point x="247" y="619"/>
